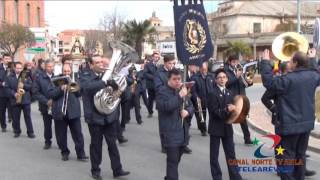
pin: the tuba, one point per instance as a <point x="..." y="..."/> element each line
<point x="286" y="44"/>
<point x="106" y="100"/>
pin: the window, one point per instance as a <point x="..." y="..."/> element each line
<point x="16" y="11"/>
<point x="38" y="17"/>
<point x="256" y="27"/>
<point x="28" y="15"/>
<point x="3" y="10"/>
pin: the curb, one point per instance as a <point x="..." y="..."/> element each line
<point x="264" y="132"/>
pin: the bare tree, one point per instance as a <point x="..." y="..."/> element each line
<point x="112" y="24"/>
<point x="14" y="36"/>
<point x="93" y="37"/>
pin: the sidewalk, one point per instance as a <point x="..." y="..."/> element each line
<point x="260" y="121"/>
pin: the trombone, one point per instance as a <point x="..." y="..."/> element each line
<point x="72" y="86"/>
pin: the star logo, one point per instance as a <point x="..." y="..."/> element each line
<point x="255" y="142"/>
<point x="280" y="150"/>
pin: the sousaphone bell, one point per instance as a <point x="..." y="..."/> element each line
<point x="286" y="44"/>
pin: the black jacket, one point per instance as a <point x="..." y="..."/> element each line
<point x="234" y="84"/>
<point x="202" y="87"/>
<point x="90" y="84"/>
<point x="218" y="113"/>
<point x="161" y="78"/>
<point x="141" y="83"/>
<point x="169" y="105"/>
<point x="150" y="71"/>
<point x="3" y="77"/>
<point x="40" y="88"/>
<point x="73" y="104"/>
<point x="295" y="93"/>
<point x="11" y="89"/>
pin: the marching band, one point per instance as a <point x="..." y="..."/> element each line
<point x="213" y="92"/>
<point x="109" y="86"/>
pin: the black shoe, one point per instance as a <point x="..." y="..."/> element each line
<point x="150" y="116"/>
<point x="83" y="158"/>
<point x="16" y="135"/>
<point x="309" y="173"/>
<point x="203" y="133"/>
<point x="65" y="157"/>
<point x="307" y="155"/>
<point x="4" y="130"/>
<point x="31" y="135"/>
<point x="140" y="122"/>
<point x="10" y="120"/>
<point x="122" y="140"/>
<point x="248" y="142"/>
<point x="187" y="150"/>
<point x="47" y="146"/>
<point x="120" y="173"/>
<point x="163" y="150"/>
<point x="96" y="176"/>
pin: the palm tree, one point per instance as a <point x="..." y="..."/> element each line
<point x="238" y="47"/>
<point x="135" y="33"/>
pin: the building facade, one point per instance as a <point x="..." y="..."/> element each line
<point x="28" y="13"/>
<point x="258" y="22"/>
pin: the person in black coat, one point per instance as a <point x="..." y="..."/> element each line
<point x="172" y="113"/>
<point x="161" y="79"/>
<point x="220" y="108"/>
<point x="61" y="96"/>
<point x="135" y="98"/>
<point x="141" y="90"/>
<point x="100" y="125"/>
<point x="150" y="71"/>
<point x="25" y="104"/>
<point x="40" y="90"/>
<point x="203" y="85"/>
<point x="4" y="72"/>
<point x="294" y="107"/>
<point x="237" y="86"/>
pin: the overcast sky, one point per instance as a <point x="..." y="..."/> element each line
<point x="62" y="15"/>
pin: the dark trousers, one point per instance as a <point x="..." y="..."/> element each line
<point x="3" y="106"/>
<point x="202" y="126"/>
<point x="245" y="131"/>
<point x="125" y="113"/>
<point x="173" y="159"/>
<point x="151" y="99"/>
<point x="143" y="94"/>
<point x="295" y="149"/>
<point x="16" y="114"/>
<point x="47" y="122"/>
<point x="135" y="101"/>
<point x="97" y="132"/>
<point x="76" y="134"/>
<point x="228" y="146"/>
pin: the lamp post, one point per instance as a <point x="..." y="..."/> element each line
<point x="298" y="16"/>
<point x="253" y="36"/>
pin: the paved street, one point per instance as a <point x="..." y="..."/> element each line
<point x="24" y="159"/>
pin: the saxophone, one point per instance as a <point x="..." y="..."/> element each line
<point x="20" y="90"/>
<point x="134" y="85"/>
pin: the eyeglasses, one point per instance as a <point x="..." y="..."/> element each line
<point x="221" y="77"/>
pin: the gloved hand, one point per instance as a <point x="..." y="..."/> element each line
<point x="113" y="84"/>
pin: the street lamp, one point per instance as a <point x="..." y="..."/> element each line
<point x="298" y="16"/>
<point x="254" y="37"/>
